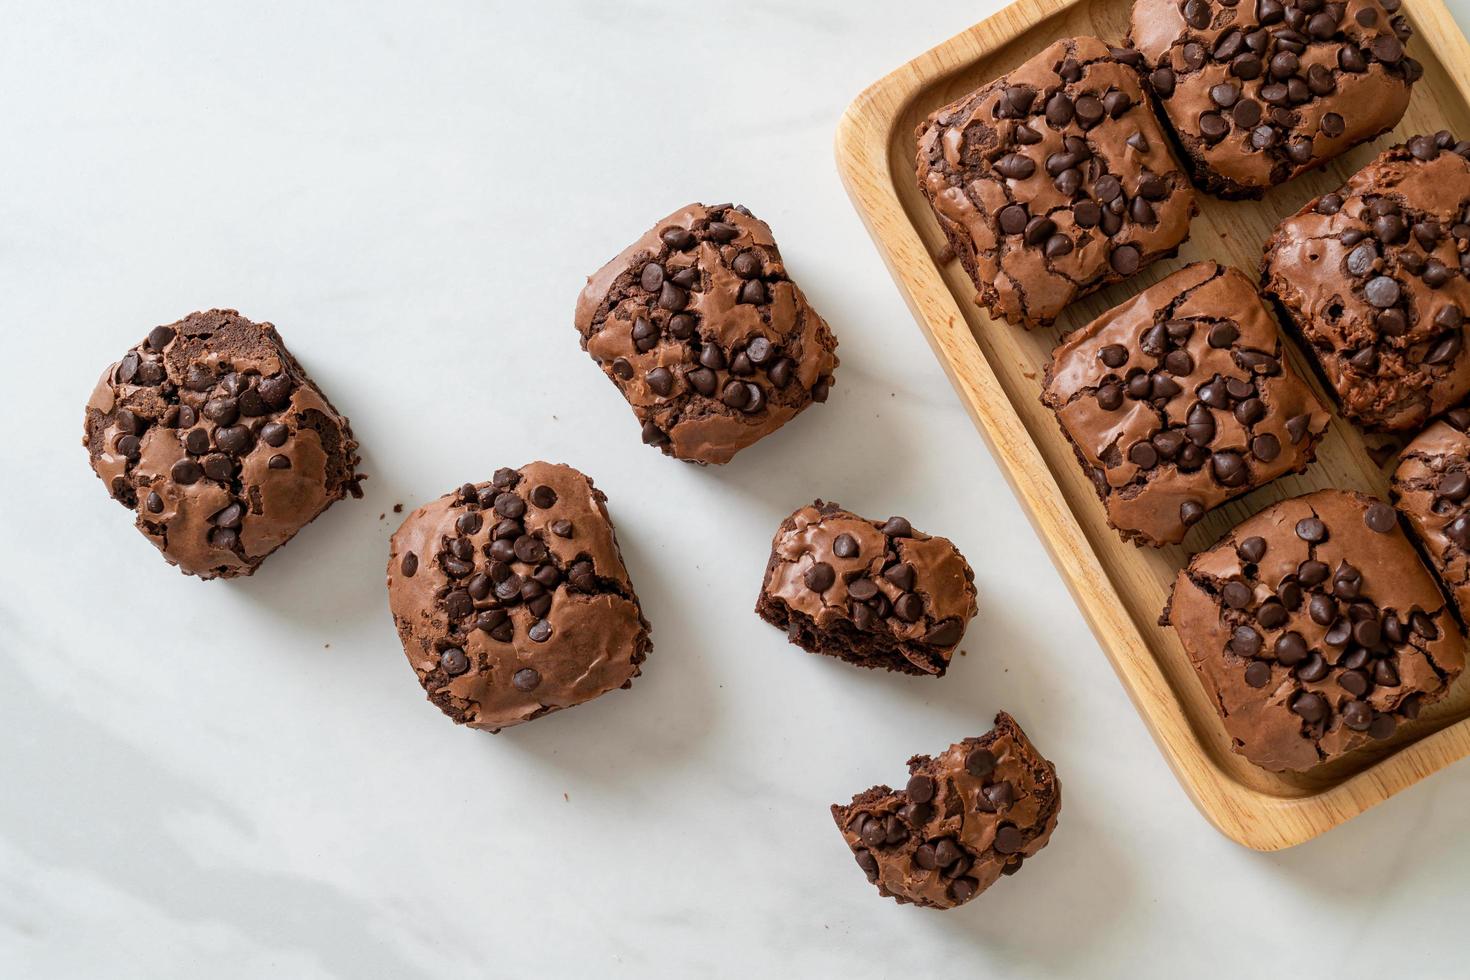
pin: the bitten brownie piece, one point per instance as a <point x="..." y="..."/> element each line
<point x="701" y="329"/>
<point x="963" y="820"/>
<point x="1180" y="399"/>
<point x="1315" y="628"/>
<point x="511" y="598"/>
<point x="873" y="593"/>
<point x="1260" y="91"/>
<point x="213" y="433"/>
<point x="1432" y="489"/>
<point x="1054" y="180"/>
<point x="1374" y="277"/>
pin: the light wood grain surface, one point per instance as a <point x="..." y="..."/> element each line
<point x="996" y="369"/>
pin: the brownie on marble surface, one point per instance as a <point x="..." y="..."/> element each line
<point x="1181" y="399"/>
<point x="1315" y="629"/>
<point x="1373" y="277"/>
<point x="1260" y="91"/>
<point x="1054" y="180"/>
<point x="220" y="443"/>
<point x="872" y="593"/>
<point x="705" y="334"/>
<point x="511" y="598"/>
<point x="963" y="819"/>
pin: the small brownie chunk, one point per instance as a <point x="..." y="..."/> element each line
<point x="873" y="593"/>
<point x="511" y="598"/>
<point x="701" y="329"/>
<point x="1315" y="629"/>
<point x="1374" y="278"/>
<point x="963" y="819"/>
<point x="213" y="433"/>
<point x="1432" y="489"/>
<point x="1181" y="399"/>
<point x="1054" y="180"/>
<point x="1260" y="91"/>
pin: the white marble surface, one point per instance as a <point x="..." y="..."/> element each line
<point x="243" y="779"/>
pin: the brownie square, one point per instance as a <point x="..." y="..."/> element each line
<point x="963" y="819"/>
<point x="1374" y="278"/>
<point x="1261" y="91"/>
<point x="873" y="593"/>
<point x="1054" y="180"/>
<point x="1431" y="487"/>
<point x="705" y="334"/>
<point x="1181" y="399"/>
<point x="1315" y="629"/>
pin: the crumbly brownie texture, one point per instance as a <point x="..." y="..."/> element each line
<point x="1054" y="180"/>
<point x="1316" y="629"/>
<point x="212" y="432"/>
<point x="703" y="332"/>
<point x="511" y="598"/>
<point x="1374" y="278"/>
<point x="1259" y="91"/>
<point x="1432" y="489"/>
<point x="1180" y="399"/>
<point x="873" y="593"/>
<point x="963" y="820"/>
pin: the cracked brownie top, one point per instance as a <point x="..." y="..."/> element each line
<point x="1259" y="91"/>
<point x="1054" y="180"/>
<point x="511" y="598"/>
<point x="1315" y="628"/>
<point x="1180" y="399"/>
<point x="1374" y="276"/>
<point x="705" y="334"/>
<point x="213" y="434"/>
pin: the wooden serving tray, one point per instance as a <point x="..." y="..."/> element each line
<point x="997" y="369"/>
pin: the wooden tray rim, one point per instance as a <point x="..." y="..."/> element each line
<point x="1248" y="816"/>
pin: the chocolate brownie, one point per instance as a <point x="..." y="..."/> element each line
<point x="873" y="593"/>
<point x="214" y="435"/>
<point x="965" y="818"/>
<point x="1054" y="180"/>
<point x="511" y="598"/>
<point x="1261" y="91"/>
<point x="1315" y="629"/>
<point x="705" y="334"/>
<point x="1432" y="489"/>
<point x="1374" y="278"/>
<point x="1180" y="399"/>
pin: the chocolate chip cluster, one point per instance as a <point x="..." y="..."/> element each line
<point x="1375" y="275"/>
<point x="965" y="818"/>
<point x="705" y="334"/>
<point x="493" y="564"/>
<point x="1261" y="90"/>
<point x="945" y="854"/>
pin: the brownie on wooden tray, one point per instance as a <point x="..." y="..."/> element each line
<point x="1180" y="399"/>
<point x="1054" y="180"/>
<point x="1315" y="629"/>
<point x="1374" y="278"/>
<point x="872" y="593"/>
<point x="1432" y="489"/>
<point x="964" y="818"/>
<point x="1260" y="91"/>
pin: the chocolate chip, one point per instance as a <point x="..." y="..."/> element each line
<point x="1258" y="673"/>
<point x="1382" y="292"/>
<point x="1311" y="707"/>
<point x="539" y="632"/>
<point x="1124" y="259"/>
<point x="1229" y="468"/>
<point x="980" y="762"/>
<point x="920" y="788"/>
<point x="819" y="577"/>
<point x="1008" y="839"/>
<point x="1311" y="530"/>
<point x="1265" y="447"/>
<point x="526" y="679"/>
<point x="897" y="527"/>
<point x="186" y="472"/>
